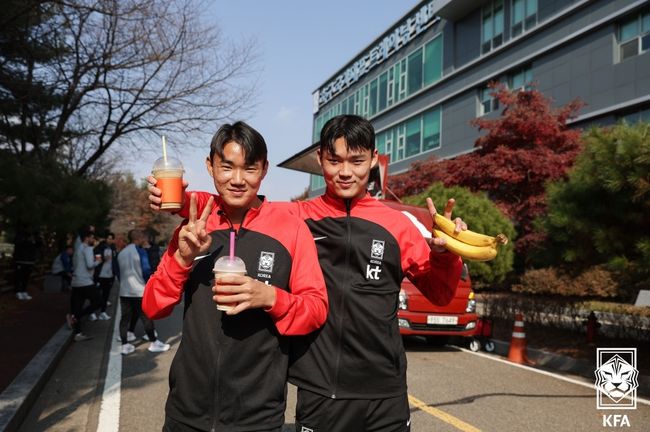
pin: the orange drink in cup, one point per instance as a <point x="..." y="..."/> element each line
<point x="169" y="179"/>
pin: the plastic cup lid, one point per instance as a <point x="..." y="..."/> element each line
<point x="227" y="265"/>
<point x="170" y="163"/>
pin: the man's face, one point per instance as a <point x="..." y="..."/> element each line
<point x="90" y="240"/>
<point x="110" y="240"/>
<point x="346" y="172"/>
<point x="236" y="181"/>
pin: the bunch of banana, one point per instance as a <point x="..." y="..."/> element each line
<point x="467" y="244"/>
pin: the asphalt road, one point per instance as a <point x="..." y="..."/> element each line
<point x="449" y="389"/>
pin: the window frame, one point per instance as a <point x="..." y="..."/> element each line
<point x="641" y="38"/>
<point x="495" y="40"/>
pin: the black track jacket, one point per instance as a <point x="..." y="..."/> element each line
<point x="230" y="372"/>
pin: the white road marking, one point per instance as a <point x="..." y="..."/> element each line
<point x="109" y="413"/>
<point x="543" y="372"/>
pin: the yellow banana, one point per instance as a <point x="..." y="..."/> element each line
<point x="469" y="237"/>
<point x="467" y="251"/>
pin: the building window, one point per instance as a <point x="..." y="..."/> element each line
<point x="372" y="98"/>
<point x="634" y="36"/>
<point x="412" y="137"/>
<point x="383" y="92"/>
<point x="415" y="71"/>
<point x="316" y="182"/>
<point x="433" y="60"/>
<point x="524" y="16"/>
<point x="492" y="28"/>
<point x="488" y="102"/>
<point x="520" y="79"/>
<point x="638" y="116"/>
<point x="431" y="132"/>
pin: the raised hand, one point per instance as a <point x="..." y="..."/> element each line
<point x="155" y="193"/>
<point x="193" y="239"/>
<point x="438" y="244"/>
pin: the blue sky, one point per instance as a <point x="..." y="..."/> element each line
<point x="301" y="44"/>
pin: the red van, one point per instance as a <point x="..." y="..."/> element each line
<point x="419" y="317"/>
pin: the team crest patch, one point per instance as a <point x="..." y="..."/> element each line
<point x="616" y="378"/>
<point x="377" y="249"/>
<point x="266" y="262"/>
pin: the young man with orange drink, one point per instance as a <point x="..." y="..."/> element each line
<point x="231" y="368"/>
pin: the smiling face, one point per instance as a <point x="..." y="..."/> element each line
<point x="346" y="171"/>
<point x="236" y="180"/>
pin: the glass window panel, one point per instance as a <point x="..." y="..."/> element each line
<point x="431" y="132"/>
<point x="373" y="97"/>
<point x="517" y="29"/>
<point x="413" y="136"/>
<point x="645" y="26"/>
<point x="630" y="49"/>
<point x="498" y="21"/>
<point x="645" y="116"/>
<point x="531" y="7"/>
<point x="487" y="28"/>
<point x="415" y="72"/>
<point x="629" y="30"/>
<point x="645" y="43"/>
<point x="389" y="144"/>
<point x="380" y="143"/>
<point x="433" y="61"/>
<point x="528" y="76"/>
<point x="383" y="92"/>
<point x="517" y="11"/>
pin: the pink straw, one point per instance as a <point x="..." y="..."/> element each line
<point x="232" y="245"/>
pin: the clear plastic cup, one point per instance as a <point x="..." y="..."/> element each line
<point x="225" y="266"/>
<point x="169" y="179"/>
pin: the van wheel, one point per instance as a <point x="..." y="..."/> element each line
<point x="489" y="346"/>
<point x="437" y="341"/>
<point x="474" y="345"/>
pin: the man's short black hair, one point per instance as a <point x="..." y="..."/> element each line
<point x="135" y="234"/>
<point x="357" y="132"/>
<point x="251" y="141"/>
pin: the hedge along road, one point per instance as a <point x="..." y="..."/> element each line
<point x="449" y="390"/>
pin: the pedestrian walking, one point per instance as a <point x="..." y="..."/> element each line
<point x="82" y="285"/>
<point x="24" y="258"/>
<point x="132" y="284"/>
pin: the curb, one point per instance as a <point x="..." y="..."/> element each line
<point x="564" y="364"/>
<point x="17" y="399"/>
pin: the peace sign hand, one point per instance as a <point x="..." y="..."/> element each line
<point x="193" y="239"/>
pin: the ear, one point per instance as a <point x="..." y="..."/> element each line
<point x="375" y="159"/>
<point x="208" y="164"/>
<point x="265" y="169"/>
<point x="318" y="157"/>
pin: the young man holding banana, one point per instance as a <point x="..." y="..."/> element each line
<point x="351" y="373"/>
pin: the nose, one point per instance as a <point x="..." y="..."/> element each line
<point x="345" y="171"/>
<point x="237" y="177"/>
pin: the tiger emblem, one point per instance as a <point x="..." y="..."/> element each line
<point x="616" y="378"/>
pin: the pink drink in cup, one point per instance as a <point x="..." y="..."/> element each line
<point x="228" y="265"/>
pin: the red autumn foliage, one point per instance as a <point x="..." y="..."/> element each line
<point x="528" y="146"/>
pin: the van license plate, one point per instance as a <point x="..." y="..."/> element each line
<point x="441" y="319"/>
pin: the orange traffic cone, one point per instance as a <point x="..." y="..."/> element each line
<point x="517" y="352"/>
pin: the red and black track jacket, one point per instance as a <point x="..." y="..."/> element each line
<point x="365" y="249"/>
<point x="230" y="372"/>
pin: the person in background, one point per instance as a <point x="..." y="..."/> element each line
<point x="62" y="266"/>
<point x="24" y="258"/>
<point x="83" y="286"/>
<point x="132" y="282"/>
<point x="106" y="272"/>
